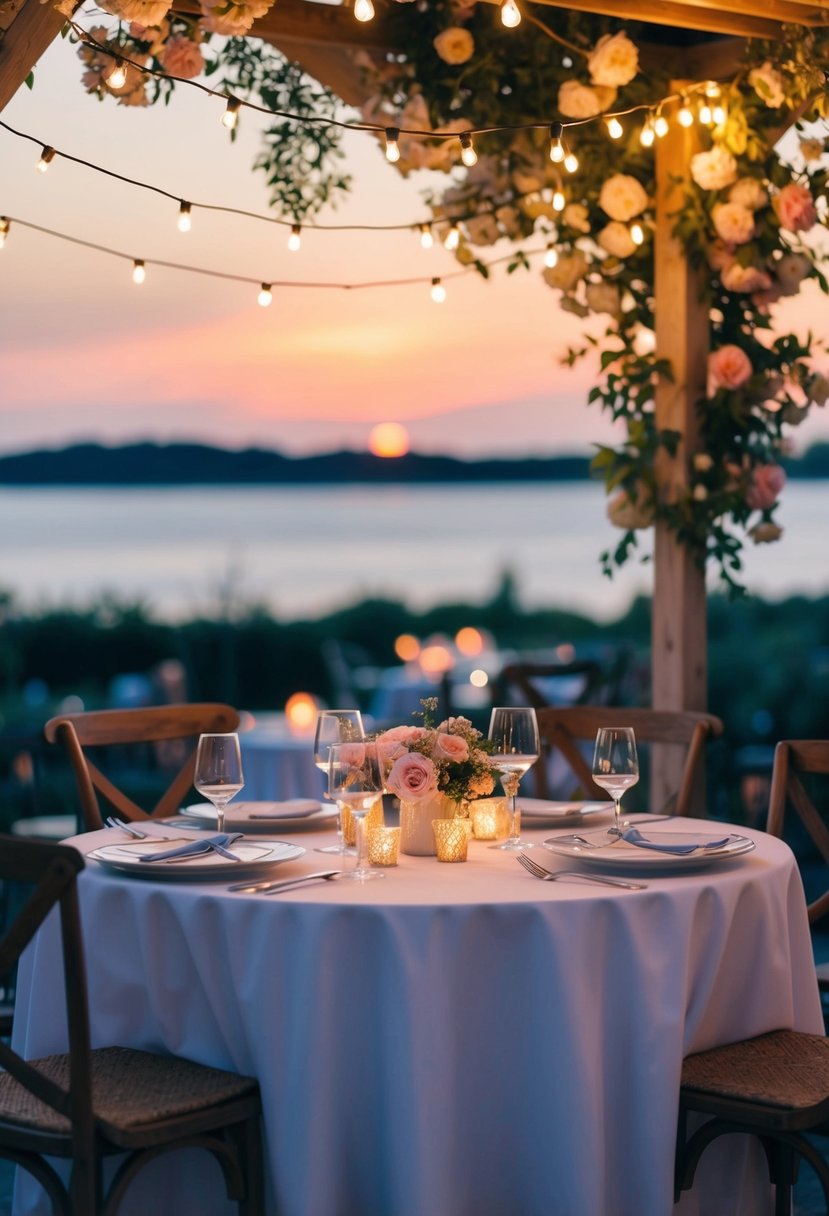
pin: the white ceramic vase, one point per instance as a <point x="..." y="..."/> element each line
<point x="416" y="835"/>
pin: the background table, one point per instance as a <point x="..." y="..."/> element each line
<point x="278" y="764"/>
<point x="457" y="1040"/>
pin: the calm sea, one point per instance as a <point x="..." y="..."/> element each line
<point x="302" y="552"/>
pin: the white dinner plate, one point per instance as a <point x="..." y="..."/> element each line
<point x="543" y="813"/>
<point x="245" y="816"/>
<point x="621" y="855"/>
<point x="254" y="857"/>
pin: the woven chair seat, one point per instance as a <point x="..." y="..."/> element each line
<point x="130" y="1089"/>
<point x="783" y="1068"/>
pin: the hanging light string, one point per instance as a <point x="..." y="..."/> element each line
<point x="6" y="222"/>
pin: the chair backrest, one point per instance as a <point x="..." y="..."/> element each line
<point x="52" y="870"/>
<point x="794" y="758"/>
<point x="540" y="683"/>
<point x="566" y="731"/>
<point x="161" y="726"/>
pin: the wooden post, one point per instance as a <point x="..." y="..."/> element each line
<point x="26" y="29"/>
<point x="678" y="626"/>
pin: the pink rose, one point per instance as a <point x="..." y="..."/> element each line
<point x="403" y="734"/>
<point x="182" y="57"/>
<point x="744" y="278"/>
<point x="351" y="754"/>
<point x="734" y="223"/>
<point x="451" y="747"/>
<point x="767" y="480"/>
<point x="412" y="777"/>
<point x="795" y="208"/>
<point x="729" y="367"/>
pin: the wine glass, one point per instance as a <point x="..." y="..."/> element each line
<point x="218" y="774"/>
<point x="336" y="726"/>
<point x="355" y="780"/>
<point x="514" y="735"/>
<point x="615" y="766"/>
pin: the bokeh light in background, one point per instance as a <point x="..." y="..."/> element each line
<point x="407" y="647"/>
<point x="436" y="656"/>
<point x="470" y="641"/>
<point x="388" y="439"/>
<point x="301" y="713"/>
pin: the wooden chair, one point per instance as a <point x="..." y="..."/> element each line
<point x="86" y="1105"/>
<point x="775" y="1087"/>
<point x="532" y="682"/>
<point x="162" y="726"/>
<point x="792" y="759"/>
<point x="562" y="731"/>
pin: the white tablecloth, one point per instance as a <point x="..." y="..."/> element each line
<point x="457" y="1040"/>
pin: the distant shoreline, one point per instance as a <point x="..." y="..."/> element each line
<point x="193" y="464"/>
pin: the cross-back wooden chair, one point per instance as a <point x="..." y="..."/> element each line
<point x="533" y="681"/>
<point x="161" y="726"/>
<point x="85" y="1105"/>
<point x="794" y="758"/>
<point x="569" y="730"/>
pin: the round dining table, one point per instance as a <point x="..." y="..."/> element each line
<point x="455" y="1040"/>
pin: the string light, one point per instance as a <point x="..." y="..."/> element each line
<point x="363" y="10"/>
<point x="116" y="78"/>
<point x="550" y="256"/>
<point x="392" y="146"/>
<point x="559" y="201"/>
<point x="139" y="272"/>
<point x="571" y="162"/>
<point x="705" y="115"/>
<point x="265" y="295"/>
<point x="468" y="154"/>
<point x="5" y="225"/>
<point x="184" y="221"/>
<point x="718" y="115"/>
<point x="452" y="238"/>
<point x="295" y="239"/>
<point x="614" y="128"/>
<point x="438" y="291"/>
<point x="637" y="232"/>
<point x="660" y="126"/>
<point x="510" y="14"/>
<point x="647" y="134"/>
<point x="685" y="117"/>
<point x="426" y="238"/>
<point x="46" y="158"/>
<point x="231" y="115"/>
<point x="557" y="151"/>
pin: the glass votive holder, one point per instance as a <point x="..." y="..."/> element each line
<point x="372" y="820"/>
<point x="451" y="839"/>
<point x="490" y="820"/>
<point x="383" y="845"/>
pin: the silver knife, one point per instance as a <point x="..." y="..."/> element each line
<point x="284" y="883"/>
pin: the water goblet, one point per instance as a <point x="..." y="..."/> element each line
<point x="336" y="726"/>
<point x="516" y="747"/>
<point x="615" y="766"/>
<point x="356" y="781"/>
<point x="218" y="773"/>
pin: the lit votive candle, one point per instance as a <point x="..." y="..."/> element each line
<point x="372" y="820"/>
<point x="490" y="820"/>
<point x="383" y="845"/>
<point x="451" y="839"/>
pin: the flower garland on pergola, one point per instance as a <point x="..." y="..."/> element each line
<point x="750" y="220"/>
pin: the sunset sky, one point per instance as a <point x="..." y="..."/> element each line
<point x="87" y="354"/>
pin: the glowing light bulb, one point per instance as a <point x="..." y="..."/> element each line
<point x="557" y="152"/>
<point x="718" y="115"/>
<point x="660" y="126"/>
<point x="184" y="224"/>
<point x="614" y="128"/>
<point x="231" y="115"/>
<point x="139" y="273"/>
<point x="510" y="14"/>
<point x="468" y="154"/>
<point x="392" y="146"/>
<point x="46" y="158"/>
<point x="647" y="135"/>
<point x="363" y="10"/>
<point x="571" y="162"/>
<point x="426" y="238"/>
<point x="5" y="225"/>
<point x="265" y="295"/>
<point x="705" y="115"/>
<point x="117" y="76"/>
<point x="438" y="291"/>
<point x="452" y="238"/>
<point x="551" y="256"/>
<point x="685" y="117"/>
<point x="294" y="240"/>
<point x="559" y="201"/>
<point x="637" y="233"/>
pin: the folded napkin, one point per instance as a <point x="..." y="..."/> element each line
<point x="634" y="836"/>
<point x="196" y="848"/>
<point x="291" y="808"/>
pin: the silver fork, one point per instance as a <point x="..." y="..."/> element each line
<point x="537" y="871"/>
<point x="112" y="822"/>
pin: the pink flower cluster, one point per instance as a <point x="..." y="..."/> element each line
<point x="450" y="759"/>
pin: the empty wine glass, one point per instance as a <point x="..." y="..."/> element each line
<point x="514" y="735"/>
<point x="356" y="781"/>
<point x="336" y="726"/>
<point x="218" y="774"/>
<point x="615" y="766"/>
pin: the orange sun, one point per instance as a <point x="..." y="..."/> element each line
<point x="388" y="439"/>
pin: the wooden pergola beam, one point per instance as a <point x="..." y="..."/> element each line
<point x="26" y="30"/>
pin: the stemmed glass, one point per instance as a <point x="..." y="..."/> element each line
<point x="218" y="774"/>
<point x="355" y="779"/>
<point x="615" y="766"/>
<point x="514" y="734"/>
<point x="336" y="726"/>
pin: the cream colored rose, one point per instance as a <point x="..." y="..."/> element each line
<point x="615" y="239"/>
<point x="790" y="272"/>
<point x="221" y="17"/>
<point x="182" y="57"/>
<point x="576" y="100"/>
<point x="715" y="169"/>
<point x="631" y="512"/>
<point x="744" y="278"/>
<point x="768" y="84"/>
<point x="575" y="215"/>
<point x="811" y="149"/>
<point x="454" y="45"/>
<point x="603" y="297"/>
<point x="144" y="12"/>
<point x="622" y="197"/>
<point x="614" y="61"/>
<point x="567" y="272"/>
<point x="734" y="224"/>
<point x="748" y="192"/>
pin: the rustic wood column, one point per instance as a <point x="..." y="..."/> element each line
<point x="678" y="626"/>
